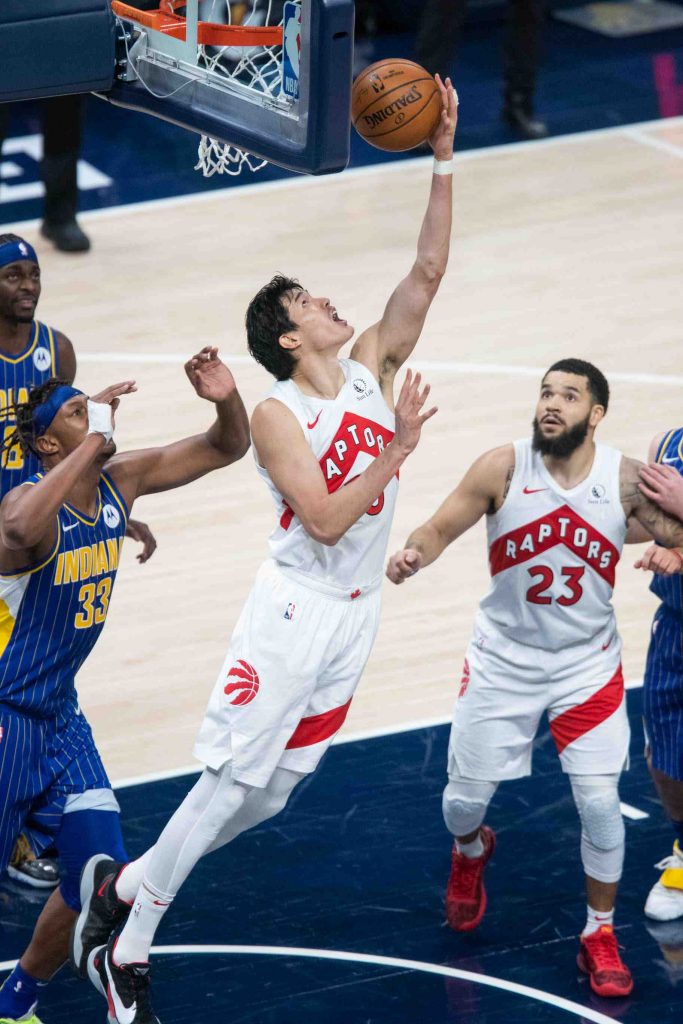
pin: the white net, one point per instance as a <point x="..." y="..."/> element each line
<point x="257" y="70"/>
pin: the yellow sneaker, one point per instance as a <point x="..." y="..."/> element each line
<point x="665" y="900"/>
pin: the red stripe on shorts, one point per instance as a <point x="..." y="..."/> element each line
<point x="318" y="727"/>
<point x="576" y="722"/>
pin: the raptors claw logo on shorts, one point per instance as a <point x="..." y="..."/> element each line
<point x="245" y="685"/>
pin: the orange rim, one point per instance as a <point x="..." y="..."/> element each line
<point x="165" y="20"/>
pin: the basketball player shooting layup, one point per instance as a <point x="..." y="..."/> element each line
<point x="329" y="445"/>
<point x="60" y="539"/>
<point x="558" y="508"/>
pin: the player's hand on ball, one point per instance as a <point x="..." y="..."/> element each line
<point x="403" y="564"/>
<point x="663" y="561"/>
<point x="209" y="376"/>
<point x="664" y="486"/>
<point x="441" y="139"/>
<point x="409" y="415"/>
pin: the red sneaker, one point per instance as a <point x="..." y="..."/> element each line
<point x="465" y="893"/>
<point x="599" y="958"/>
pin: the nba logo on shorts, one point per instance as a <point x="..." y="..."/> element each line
<point x="112" y="517"/>
<point x="41" y="358"/>
<point x="289" y="614"/>
<point x="2" y="732"/>
<point x="244" y="685"/>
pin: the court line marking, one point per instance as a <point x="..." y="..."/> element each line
<point x="371" y="170"/>
<point x="423" y="967"/>
<point x="654" y="141"/>
<point x="633" y="813"/>
<point x="338" y="741"/>
<point x="428" y="365"/>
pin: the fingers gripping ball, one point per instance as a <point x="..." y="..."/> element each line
<point x="395" y="105"/>
<point x="243" y="683"/>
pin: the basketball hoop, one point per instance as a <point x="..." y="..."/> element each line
<point x="249" y="55"/>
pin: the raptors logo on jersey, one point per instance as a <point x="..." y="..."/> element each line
<point x="345" y="435"/>
<point x="553" y="553"/>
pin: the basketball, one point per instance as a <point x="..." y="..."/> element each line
<point x="395" y="105"/>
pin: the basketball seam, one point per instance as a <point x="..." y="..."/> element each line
<point x="403" y="85"/>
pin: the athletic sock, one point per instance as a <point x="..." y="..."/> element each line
<point x="596" y="919"/>
<point x="19" y="994"/>
<point x="130" y="878"/>
<point x="473" y="849"/>
<point x="135" y="941"/>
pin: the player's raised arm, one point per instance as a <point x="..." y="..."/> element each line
<point x="483" y="489"/>
<point x="83" y="429"/>
<point x="292" y="466"/>
<point x="150" y="470"/>
<point x="385" y="346"/>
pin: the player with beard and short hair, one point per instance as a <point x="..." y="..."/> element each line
<point x="558" y="507"/>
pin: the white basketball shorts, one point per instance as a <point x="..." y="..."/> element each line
<point x="295" y="658"/>
<point x="506" y="687"/>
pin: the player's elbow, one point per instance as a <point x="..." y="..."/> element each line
<point x="16" y="535"/>
<point x="322" y="533"/>
<point x="432" y="268"/>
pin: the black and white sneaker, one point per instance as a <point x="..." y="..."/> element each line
<point x="126" y="988"/>
<point x="101" y="910"/>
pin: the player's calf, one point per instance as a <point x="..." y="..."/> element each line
<point x="102" y="910"/>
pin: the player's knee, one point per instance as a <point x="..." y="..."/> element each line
<point x="464" y="804"/>
<point x="597" y="801"/>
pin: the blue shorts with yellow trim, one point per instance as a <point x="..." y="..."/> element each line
<point x="663" y="692"/>
<point x="45" y="763"/>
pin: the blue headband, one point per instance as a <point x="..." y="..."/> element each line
<point x="45" y="413"/>
<point x="12" y="252"/>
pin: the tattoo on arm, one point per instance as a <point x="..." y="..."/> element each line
<point x="664" y="528"/>
<point x="508" y="481"/>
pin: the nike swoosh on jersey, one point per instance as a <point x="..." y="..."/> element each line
<point x="311" y="425"/>
<point x="534" y="490"/>
<point x="124" y="1014"/>
<point x="65" y="529"/>
<point x="667" y="458"/>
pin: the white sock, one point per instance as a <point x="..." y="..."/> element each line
<point x="134" y="942"/>
<point x="596" y="919"/>
<point x="473" y="849"/>
<point x="130" y="878"/>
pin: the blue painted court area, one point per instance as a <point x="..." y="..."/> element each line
<point x="586" y="82"/>
<point x="358" y="863"/>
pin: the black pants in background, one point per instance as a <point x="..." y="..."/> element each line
<point x="62" y="117"/>
<point x="440" y="30"/>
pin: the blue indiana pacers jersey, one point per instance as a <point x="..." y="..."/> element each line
<point x="669" y="589"/>
<point x="52" y="614"/>
<point x="18" y="374"/>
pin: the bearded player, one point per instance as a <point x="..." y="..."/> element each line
<point x="558" y="507"/>
<point x="328" y="444"/>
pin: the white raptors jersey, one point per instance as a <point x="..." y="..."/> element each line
<point x="345" y="434"/>
<point x="553" y="553"/>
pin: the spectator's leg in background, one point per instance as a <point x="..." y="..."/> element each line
<point x="62" y="118"/>
<point x="521" y="57"/>
<point x="439" y="34"/>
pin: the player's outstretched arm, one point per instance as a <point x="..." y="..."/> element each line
<point x="483" y="489"/>
<point x="283" y="451"/>
<point x="385" y="346"/>
<point x="28" y="514"/>
<point x="161" y="469"/>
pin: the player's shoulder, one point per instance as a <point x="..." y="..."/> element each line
<point x="272" y="416"/>
<point x="497" y="460"/>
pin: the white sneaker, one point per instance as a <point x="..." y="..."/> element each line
<point x="665" y="900"/>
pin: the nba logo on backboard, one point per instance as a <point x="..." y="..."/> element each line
<point x="291" y="49"/>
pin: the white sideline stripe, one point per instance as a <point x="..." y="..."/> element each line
<point x="655" y="142"/>
<point x="339" y="740"/>
<point x="632" y="812"/>
<point x="428" y="365"/>
<point x="584" y="1012"/>
<point x="372" y="170"/>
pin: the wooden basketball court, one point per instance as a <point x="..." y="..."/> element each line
<point x="572" y="246"/>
